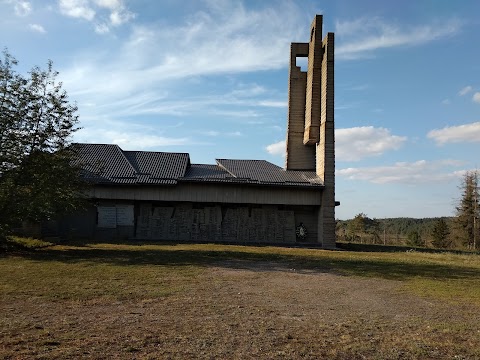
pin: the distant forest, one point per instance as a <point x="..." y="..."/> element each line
<point x="459" y="232"/>
<point x="397" y="231"/>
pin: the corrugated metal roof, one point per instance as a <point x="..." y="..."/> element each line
<point x="104" y="162"/>
<point x="265" y="172"/>
<point x="108" y="164"/>
<point x="204" y="171"/>
<point x="158" y="165"/>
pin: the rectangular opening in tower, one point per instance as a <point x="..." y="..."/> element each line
<point x="302" y="63"/>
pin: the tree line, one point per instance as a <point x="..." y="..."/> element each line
<point x="461" y="231"/>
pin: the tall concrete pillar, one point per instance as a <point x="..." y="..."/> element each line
<point x="325" y="154"/>
<point x="310" y="127"/>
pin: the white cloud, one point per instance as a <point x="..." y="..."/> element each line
<point x="277" y="148"/>
<point x="210" y="133"/>
<point x="406" y="172"/>
<point x="456" y="134"/>
<point x="476" y="97"/>
<point x="77" y="9"/>
<point x="273" y="103"/>
<point x="121" y="16"/>
<point x="465" y="90"/>
<point x="109" y="4"/>
<point x="101" y="28"/>
<point x="37" y="28"/>
<point x="361" y="37"/>
<point x="218" y="133"/>
<point x="206" y="43"/>
<point x="88" y="10"/>
<point x="21" y="7"/>
<point x="446" y="101"/>
<point x="353" y="144"/>
<point x="127" y="139"/>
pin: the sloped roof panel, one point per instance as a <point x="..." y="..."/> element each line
<point x="204" y="171"/>
<point x="266" y="172"/>
<point x="103" y="162"/>
<point x="158" y="165"/>
<point x="108" y="164"/>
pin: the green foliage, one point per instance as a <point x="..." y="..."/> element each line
<point x="395" y="231"/>
<point x="37" y="180"/>
<point x="440" y="234"/>
<point x="27" y="243"/>
<point x="363" y="229"/>
<point x="414" y="238"/>
<point x="468" y="212"/>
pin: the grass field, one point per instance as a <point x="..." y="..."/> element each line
<point x="154" y="301"/>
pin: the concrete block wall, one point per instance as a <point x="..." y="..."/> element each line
<point x="298" y="157"/>
<point x="311" y="95"/>
<point x="314" y="78"/>
<point x="326" y="146"/>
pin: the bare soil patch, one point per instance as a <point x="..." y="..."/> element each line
<point x="244" y="309"/>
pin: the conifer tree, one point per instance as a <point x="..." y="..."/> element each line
<point x="468" y="211"/>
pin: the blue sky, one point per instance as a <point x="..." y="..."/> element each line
<point x="211" y="78"/>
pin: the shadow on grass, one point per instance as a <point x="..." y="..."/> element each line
<point x="333" y="262"/>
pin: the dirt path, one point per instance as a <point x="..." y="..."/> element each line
<point x="247" y="310"/>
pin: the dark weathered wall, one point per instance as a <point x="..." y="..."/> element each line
<point x="212" y="193"/>
<point x="187" y="221"/>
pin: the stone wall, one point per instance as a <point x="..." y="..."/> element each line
<point x="221" y="223"/>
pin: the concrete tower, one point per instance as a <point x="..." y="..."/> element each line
<point x="310" y="128"/>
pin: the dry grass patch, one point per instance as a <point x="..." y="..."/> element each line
<point x="214" y="301"/>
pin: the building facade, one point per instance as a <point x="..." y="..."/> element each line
<point x="162" y="196"/>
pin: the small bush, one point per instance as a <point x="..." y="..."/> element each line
<point x="24" y="243"/>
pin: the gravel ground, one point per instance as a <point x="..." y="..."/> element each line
<point x="246" y="310"/>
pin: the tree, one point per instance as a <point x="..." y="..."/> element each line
<point x="414" y="238"/>
<point x="440" y="234"/>
<point x="37" y="179"/>
<point x="468" y="211"/>
<point x="362" y="228"/>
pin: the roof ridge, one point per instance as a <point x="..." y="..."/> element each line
<point x="224" y="168"/>
<point x="126" y="159"/>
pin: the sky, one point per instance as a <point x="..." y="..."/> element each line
<point x="210" y="77"/>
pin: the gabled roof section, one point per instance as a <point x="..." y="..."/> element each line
<point x="206" y="171"/>
<point x="158" y="165"/>
<point x="104" y="162"/>
<point x="262" y="171"/>
<point x="109" y="164"/>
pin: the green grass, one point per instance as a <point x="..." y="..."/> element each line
<point x="149" y="270"/>
<point x="183" y="301"/>
<point x="18" y="242"/>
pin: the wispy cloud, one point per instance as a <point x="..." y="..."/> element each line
<point x="455" y="134"/>
<point x="77" y="9"/>
<point x="215" y="133"/>
<point x="21" y="7"/>
<point x="37" y="28"/>
<point x="94" y="10"/>
<point x="273" y="103"/>
<point x="360" y="38"/>
<point x="211" y="42"/>
<point x="465" y="90"/>
<point x="476" y="97"/>
<point x="277" y="148"/>
<point x="353" y="144"/>
<point x="409" y="173"/>
<point x="129" y="140"/>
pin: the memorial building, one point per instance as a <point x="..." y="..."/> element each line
<point x="163" y="196"/>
